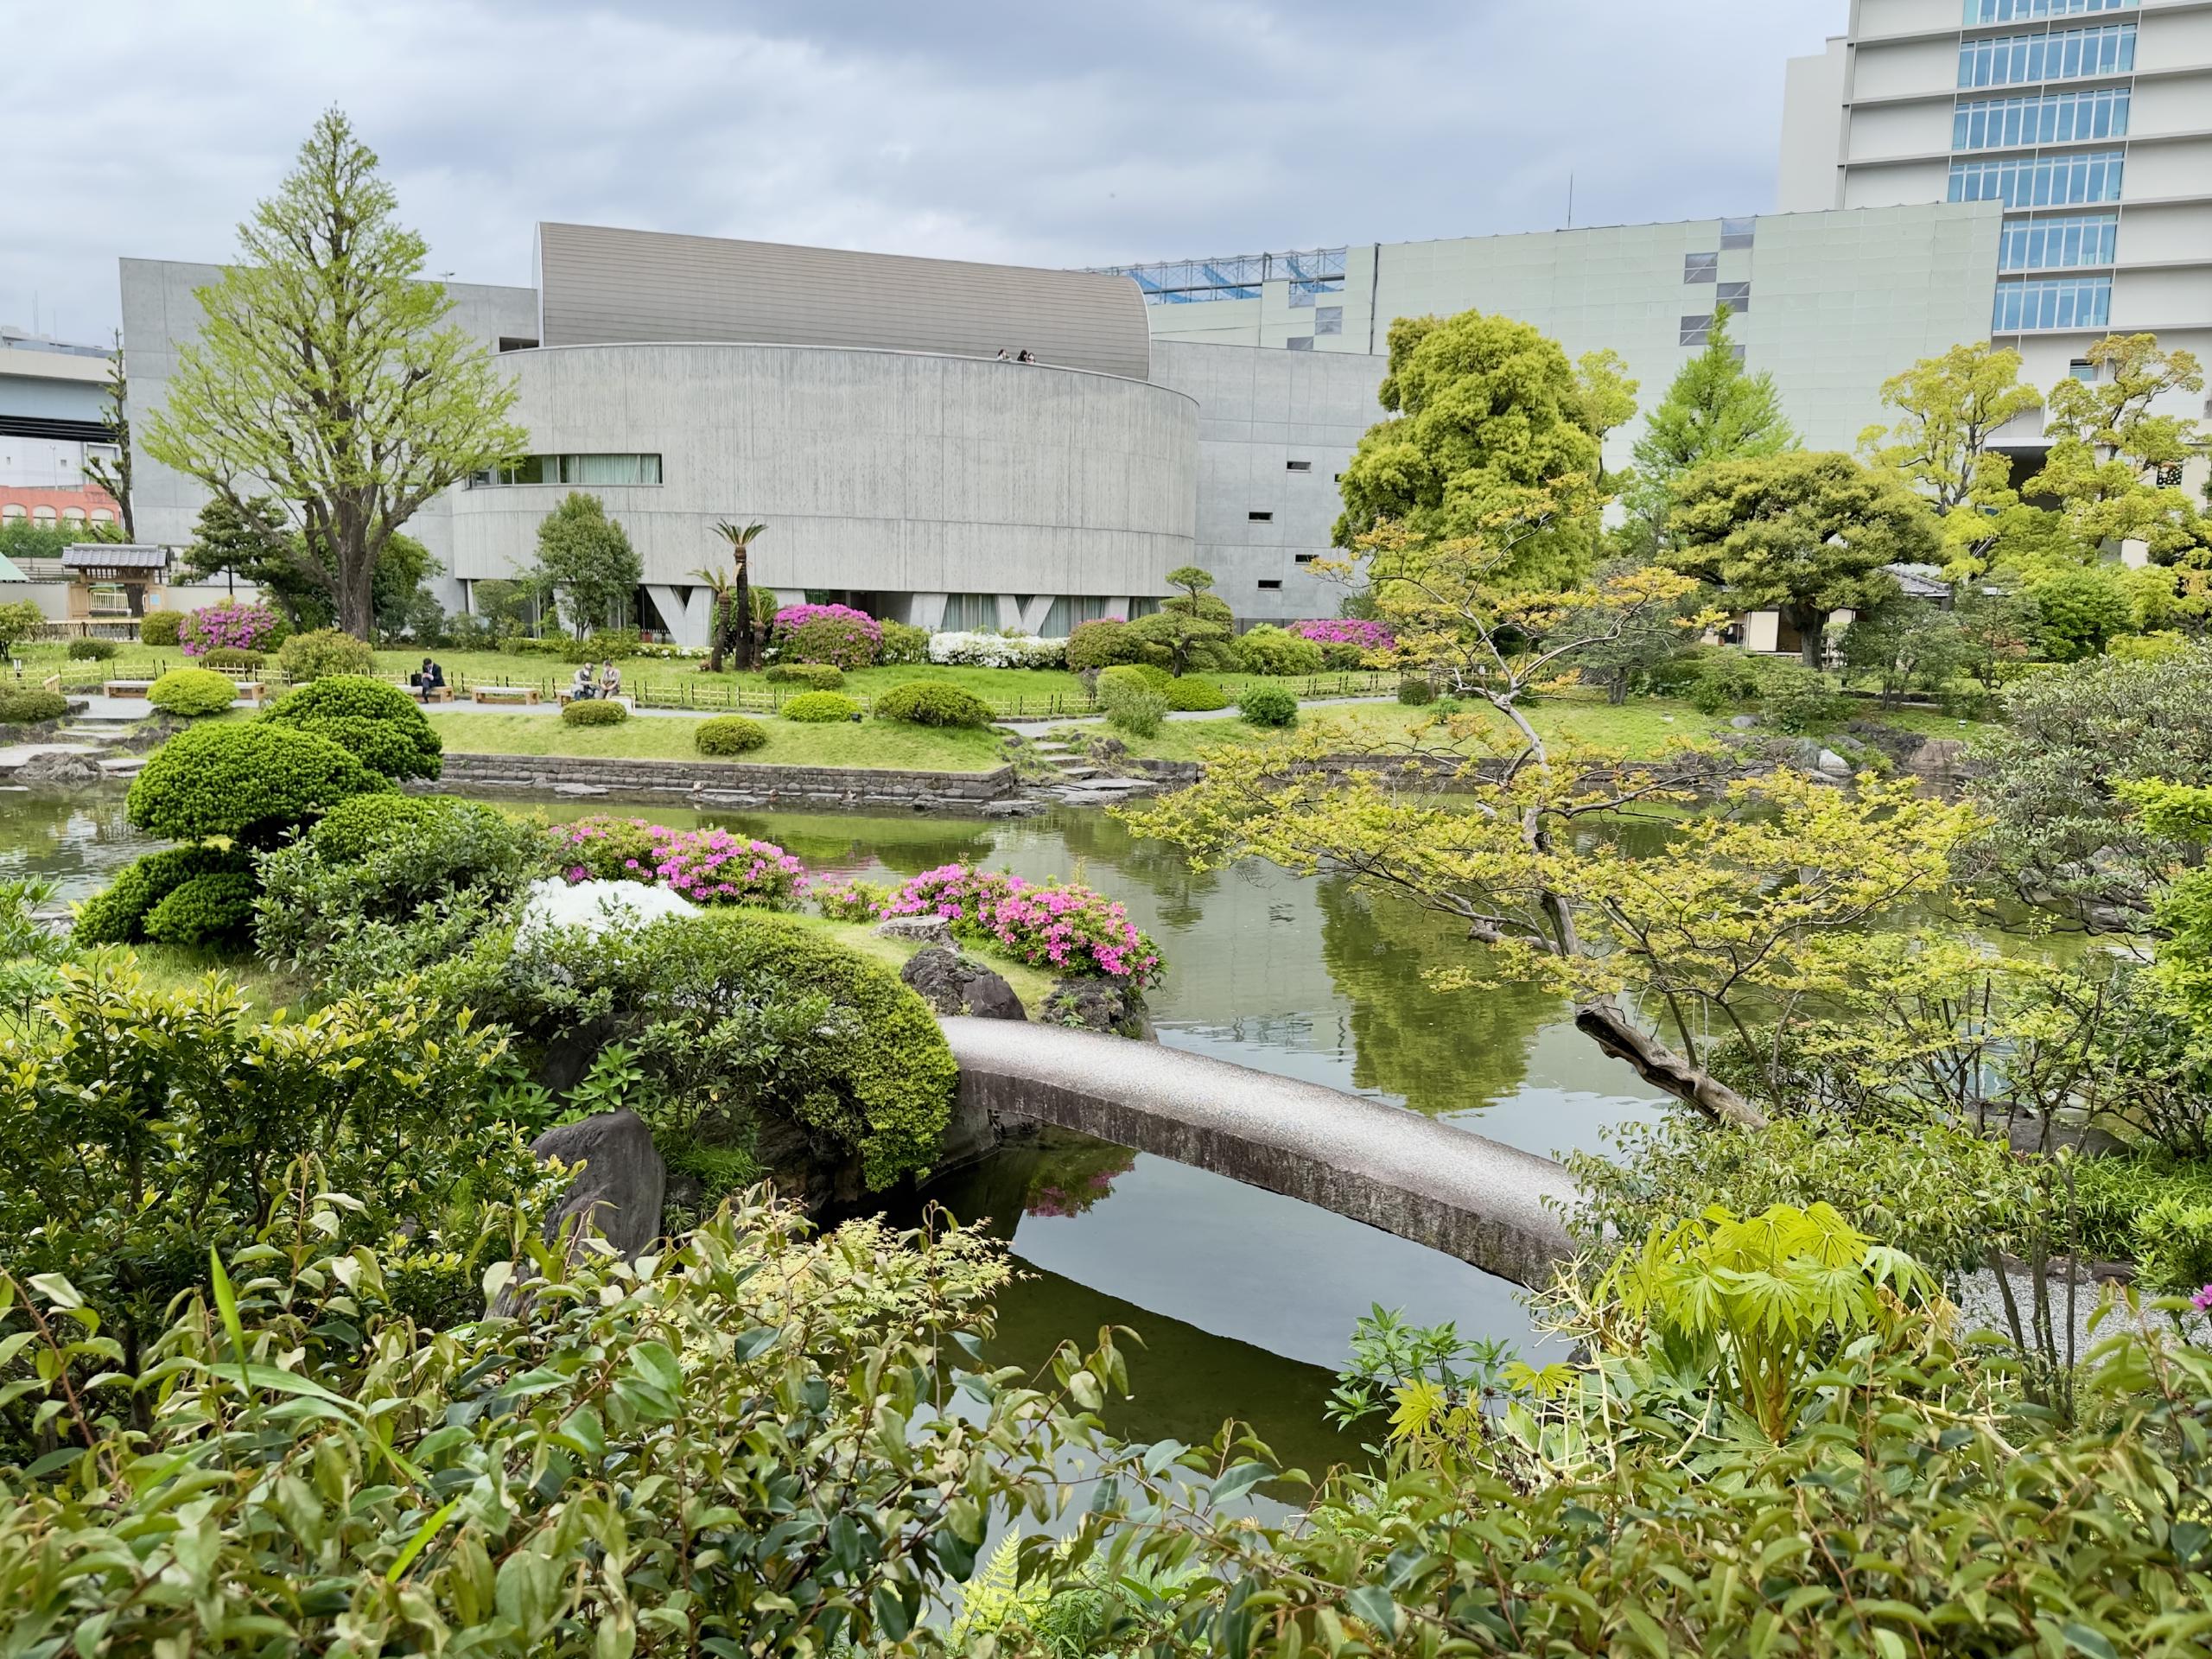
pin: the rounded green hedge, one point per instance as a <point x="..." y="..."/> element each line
<point x="1103" y="643"/>
<point x="233" y="657"/>
<point x="1194" y="694"/>
<point x="1268" y="705"/>
<point x="116" y="915"/>
<point x="307" y="656"/>
<point x="1132" y="700"/>
<point x="251" y="782"/>
<point x="372" y="720"/>
<point x="91" y="650"/>
<point x="191" y="692"/>
<point x="1415" y="692"/>
<point x="815" y="677"/>
<point x="356" y="827"/>
<point x="30" y="705"/>
<point x="932" y="702"/>
<point x="727" y="734"/>
<point x="213" y="909"/>
<point x="1277" y="652"/>
<point x="819" y="708"/>
<point x="594" y="711"/>
<point x="159" y="628"/>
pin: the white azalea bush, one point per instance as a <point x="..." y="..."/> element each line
<point x="997" y="651"/>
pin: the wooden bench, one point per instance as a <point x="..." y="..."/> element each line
<point x="126" y="688"/>
<point x="505" y="693"/>
<point x="251" y="691"/>
<point x="437" y="693"/>
<point x="565" y="696"/>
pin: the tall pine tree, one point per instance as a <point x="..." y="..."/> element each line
<point x="1713" y="411"/>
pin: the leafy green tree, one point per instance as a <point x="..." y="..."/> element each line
<point x="1905" y="645"/>
<point x="1949" y="409"/>
<point x="1713" y="411"/>
<point x="2110" y="446"/>
<point x="586" y="557"/>
<point x="1194" y="626"/>
<point x="1803" y="534"/>
<point x="1608" y="399"/>
<point x="2080" y="612"/>
<point x="327" y="375"/>
<point x="1488" y="420"/>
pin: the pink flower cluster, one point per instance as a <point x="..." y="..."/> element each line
<point x="2203" y="1301"/>
<point x="1070" y="930"/>
<point x="231" y="626"/>
<point x="709" y="867"/>
<point x="827" y="634"/>
<point x="846" y="901"/>
<point x="1346" y="631"/>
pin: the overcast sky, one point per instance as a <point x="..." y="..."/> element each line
<point x="1060" y="132"/>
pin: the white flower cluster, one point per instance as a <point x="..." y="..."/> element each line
<point x="997" y="651"/>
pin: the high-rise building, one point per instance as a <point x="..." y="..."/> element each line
<point x="2089" y="121"/>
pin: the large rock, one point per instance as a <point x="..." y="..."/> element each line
<point x="618" y="1193"/>
<point x="933" y="931"/>
<point x="1099" y="1004"/>
<point x="951" y="983"/>
<point x="60" y="769"/>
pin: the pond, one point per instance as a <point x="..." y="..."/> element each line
<point x="1244" y="1300"/>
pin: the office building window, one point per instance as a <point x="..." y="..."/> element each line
<point x="1304" y="558"/>
<point x="1696" y="331"/>
<point x="1304" y="293"/>
<point x="1700" y="267"/>
<point x="2081" y="369"/>
<point x="41" y="515"/>
<point x="1299" y="343"/>
<point x="2058" y="244"/>
<point x="2023" y="11"/>
<point x="2063" y="54"/>
<point x="1737" y="232"/>
<point x="1738" y="352"/>
<point x="2046" y="118"/>
<point x="1737" y="297"/>
<point x="970" y="613"/>
<point x="2053" y="302"/>
<point x="571" y="469"/>
<point x="14" y="512"/>
<point x="1260" y="518"/>
<point x="1270" y="582"/>
<point x="1328" y="319"/>
<point x="2042" y="181"/>
<point x="1298" y="465"/>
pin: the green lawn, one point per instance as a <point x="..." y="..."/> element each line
<point x="1640" y="728"/>
<point x="880" y="744"/>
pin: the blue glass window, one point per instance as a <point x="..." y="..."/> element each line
<point x="2053" y="302"/>
<point x="2058" y="244"/>
<point x="2063" y="54"/>
<point x="2021" y="11"/>
<point x="2048" y="118"/>
<point x="2040" y="181"/>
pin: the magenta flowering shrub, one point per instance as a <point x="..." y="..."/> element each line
<point x="707" y="867"/>
<point x="231" y="625"/>
<point x="826" y="633"/>
<point x="848" y="900"/>
<point x="1068" y="930"/>
<point x="1346" y="631"/>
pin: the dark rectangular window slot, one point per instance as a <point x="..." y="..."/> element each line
<point x="1261" y="518"/>
<point x="509" y="343"/>
<point x="1298" y="465"/>
<point x="1307" y="558"/>
<point x="1271" y="581"/>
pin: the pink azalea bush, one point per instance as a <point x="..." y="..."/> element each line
<point x="826" y="633"/>
<point x="848" y="900"/>
<point x="230" y="625"/>
<point x="1346" y="631"/>
<point x="1068" y="930"/>
<point x="707" y="867"/>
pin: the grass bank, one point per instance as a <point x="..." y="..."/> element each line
<point x="880" y="745"/>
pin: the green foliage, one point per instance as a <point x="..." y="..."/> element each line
<point x="599" y="645"/>
<point x="1725" y="679"/>
<point x="1798" y="700"/>
<point x="903" y="645"/>
<point x="1949" y="410"/>
<point x="1268" y="705"/>
<point x="1415" y="691"/>
<point x="2173" y="1246"/>
<point x="1487" y="420"/>
<point x="251" y="782"/>
<point x="743" y="1022"/>
<point x="1132" y="702"/>
<point x="1104" y="644"/>
<point x="2081" y="611"/>
<point x="377" y="723"/>
<point x="189" y="692"/>
<point x="1906" y="647"/>
<point x="587" y="558"/>
<point x="159" y="629"/>
<point x="1194" y="694"/>
<point x="819" y="708"/>
<point x="19" y="620"/>
<point x="1269" y="650"/>
<point x="1713" y="411"/>
<point x="215" y="909"/>
<point x="2111" y="436"/>
<point x="1803" y="534"/>
<point x="728" y="734"/>
<point x="815" y="677"/>
<point x="25" y="705"/>
<point x="311" y="656"/>
<point x="594" y="711"/>
<point x="92" y="650"/>
<point x="116" y="915"/>
<point x="1185" y="634"/>
<point x="232" y="657"/>
<point x="932" y="702"/>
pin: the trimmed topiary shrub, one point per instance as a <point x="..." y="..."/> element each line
<point x="214" y="909"/>
<point x="91" y="650"/>
<point x="1273" y="651"/>
<point x="815" y="677"/>
<point x="820" y="708"/>
<point x="1268" y="705"/>
<point x="1131" y="700"/>
<point x="307" y="656"/>
<point x="376" y="721"/>
<point x="116" y="915"/>
<point x="252" y="781"/>
<point x="1415" y="692"/>
<point x="30" y="705"/>
<point x="159" y="628"/>
<point x="1103" y="643"/>
<point x="191" y="692"/>
<point x="727" y="734"/>
<point x="1194" y="694"/>
<point x="930" y="702"/>
<point x="594" y="712"/>
<point x="232" y="657"/>
<point x="903" y="642"/>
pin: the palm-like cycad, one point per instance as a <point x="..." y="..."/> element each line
<point x="740" y="540"/>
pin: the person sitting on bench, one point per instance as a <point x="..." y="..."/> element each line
<point x="583" y="688"/>
<point x="427" y="681"/>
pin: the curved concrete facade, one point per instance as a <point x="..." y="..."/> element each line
<point x="903" y="474"/>
<point x="1472" y="1198"/>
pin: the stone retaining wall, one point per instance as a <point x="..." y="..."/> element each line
<point x="722" y="783"/>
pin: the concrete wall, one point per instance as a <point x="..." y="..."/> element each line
<point x="712" y="783"/>
<point x="1812" y="139"/>
<point x="1258" y="411"/>
<point x="884" y="473"/>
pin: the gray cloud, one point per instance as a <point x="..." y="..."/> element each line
<point x="1057" y="133"/>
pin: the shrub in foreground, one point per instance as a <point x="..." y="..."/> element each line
<point x="932" y="702"/>
<point x="231" y="657"/>
<point x="251" y="782"/>
<point x="189" y="693"/>
<point x="1274" y="651"/>
<point x="728" y="734"/>
<point x="819" y="708"/>
<point x="836" y="634"/>
<point x="307" y="656"/>
<point x="1194" y="694"/>
<point x="1268" y="705"/>
<point x="91" y="650"/>
<point x="116" y="914"/>
<point x="815" y="677"/>
<point x="30" y="705"/>
<point x="1101" y="644"/>
<point x="215" y="909"/>
<point x="371" y="719"/>
<point x="1061" y="926"/>
<point x="1415" y="691"/>
<point x="594" y="711"/>
<point x="1131" y="700"/>
<point x="160" y="629"/>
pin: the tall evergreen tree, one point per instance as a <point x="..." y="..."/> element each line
<point x="587" y="558"/>
<point x="1713" y="411"/>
